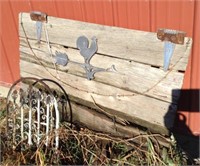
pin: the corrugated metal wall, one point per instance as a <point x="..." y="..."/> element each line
<point x="148" y="15"/>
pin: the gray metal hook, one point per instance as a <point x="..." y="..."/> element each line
<point x="171" y="38"/>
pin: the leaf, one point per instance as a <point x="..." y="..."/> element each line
<point x="170" y="162"/>
<point x="164" y="154"/>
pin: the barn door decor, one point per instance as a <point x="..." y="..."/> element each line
<point x="72" y="52"/>
<point x="87" y="53"/>
<point x="86" y="50"/>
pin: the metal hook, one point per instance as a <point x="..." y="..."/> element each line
<point x="39" y="17"/>
<point x="171" y="38"/>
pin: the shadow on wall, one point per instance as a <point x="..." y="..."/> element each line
<point x="188" y="103"/>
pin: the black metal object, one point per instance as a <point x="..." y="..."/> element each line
<point x="33" y="112"/>
<point x="62" y="98"/>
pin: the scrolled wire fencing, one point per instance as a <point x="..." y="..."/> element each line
<point x="34" y="112"/>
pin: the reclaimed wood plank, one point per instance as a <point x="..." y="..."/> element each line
<point x="135" y="108"/>
<point x="139" y="92"/>
<point x="182" y="63"/>
<point x="139" y="46"/>
<point x="130" y="75"/>
<point x="92" y="120"/>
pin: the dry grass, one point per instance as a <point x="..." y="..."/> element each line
<point x="86" y="147"/>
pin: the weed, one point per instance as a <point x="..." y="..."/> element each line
<point x="86" y="147"/>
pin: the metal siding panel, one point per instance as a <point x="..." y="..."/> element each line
<point x="194" y="117"/>
<point x="79" y="13"/>
<point x="144" y="15"/>
<point x="133" y="18"/>
<point x="173" y="15"/>
<point x="6" y="73"/>
<point x="115" y="13"/>
<point x="65" y="10"/>
<point x="45" y="6"/>
<point x="1" y="53"/>
<point x="121" y="13"/>
<point x="92" y="11"/>
<point x="10" y="49"/>
<point x="187" y="17"/>
<point x="187" y="25"/>
<point x="99" y="12"/>
<point x="196" y="48"/>
<point x="191" y="80"/>
<point x="160" y="13"/>
<point x="191" y="24"/>
<point x="89" y="10"/>
<point x="108" y="13"/>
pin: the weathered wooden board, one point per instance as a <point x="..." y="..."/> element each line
<point x="130" y="76"/>
<point x="93" y="119"/>
<point x="135" y="108"/>
<point x="138" y="92"/>
<point x="113" y="41"/>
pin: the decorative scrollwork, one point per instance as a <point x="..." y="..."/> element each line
<point x="44" y="117"/>
<point x="14" y="95"/>
<point x="30" y="113"/>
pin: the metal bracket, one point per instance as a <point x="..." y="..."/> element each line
<point x="171" y="38"/>
<point x="39" y="17"/>
<point x="87" y="53"/>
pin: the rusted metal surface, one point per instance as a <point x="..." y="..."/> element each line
<point x="142" y="15"/>
<point x="38" y="16"/>
<point x="173" y="36"/>
<point x="170" y="37"/>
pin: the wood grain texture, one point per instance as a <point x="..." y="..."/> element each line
<point x="135" y="108"/>
<point x="139" y="92"/>
<point x="92" y="119"/>
<point x="131" y="76"/>
<point x="139" y="46"/>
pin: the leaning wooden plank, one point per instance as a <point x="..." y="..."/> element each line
<point x="130" y="75"/>
<point x="139" y="46"/>
<point x="135" y="108"/>
<point x="93" y="120"/>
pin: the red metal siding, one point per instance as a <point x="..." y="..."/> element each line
<point x="148" y="15"/>
<point x="9" y="50"/>
<point x="194" y="118"/>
